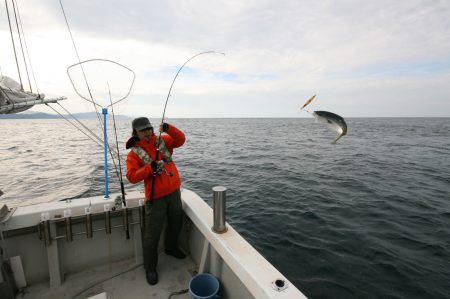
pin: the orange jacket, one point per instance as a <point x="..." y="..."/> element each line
<point x="137" y="170"/>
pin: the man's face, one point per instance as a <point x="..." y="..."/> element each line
<point x="145" y="133"/>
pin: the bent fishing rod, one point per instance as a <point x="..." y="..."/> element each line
<point x="164" y="114"/>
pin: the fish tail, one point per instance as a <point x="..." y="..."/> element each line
<point x="335" y="140"/>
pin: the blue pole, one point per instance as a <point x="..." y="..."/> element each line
<point x="105" y="111"/>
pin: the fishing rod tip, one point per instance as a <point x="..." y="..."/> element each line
<point x="216" y="52"/>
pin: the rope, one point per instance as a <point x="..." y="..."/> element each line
<point x="20" y="41"/>
<point x="87" y="83"/>
<point x="118" y="274"/>
<point x="8" y="98"/>
<point x="98" y="139"/>
<point x="14" y="45"/>
<point x="78" y="128"/>
<point x="84" y="126"/>
<point x="103" y="280"/>
<point x="26" y="48"/>
<point x="178" y="293"/>
<point x="79" y="60"/>
<point x="73" y="124"/>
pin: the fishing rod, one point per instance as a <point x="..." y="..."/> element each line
<point x="164" y="114"/>
<point x="122" y="188"/>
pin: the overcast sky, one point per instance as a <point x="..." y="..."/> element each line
<point x="361" y="58"/>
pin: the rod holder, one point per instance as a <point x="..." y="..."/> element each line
<point x="40" y="231"/>
<point x="47" y="235"/>
<point x="69" y="233"/>
<point x="68" y="225"/>
<point x="219" y="209"/>
<point x="107" y="218"/>
<point x="88" y="222"/>
<point x="126" y="221"/>
<point x="45" y="229"/>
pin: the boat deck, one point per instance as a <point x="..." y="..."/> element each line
<point x="174" y="275"/>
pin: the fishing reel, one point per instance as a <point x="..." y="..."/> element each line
<point x="160" y="169"/>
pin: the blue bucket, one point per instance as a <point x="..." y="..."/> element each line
<point x="204" y="286"/>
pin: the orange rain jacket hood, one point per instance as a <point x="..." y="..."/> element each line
<point x="137" y="170"/>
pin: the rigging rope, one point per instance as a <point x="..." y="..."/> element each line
<point x="20" y="42"/>
<point x="98" y="142"/>
<point x="8" y="98"/>
<point x="26" y="48"/>
<point x="85" y="78"/>
<point x="69" y="121"/>
<point x="13" y="44"/>
<point x="79" y="60"/>
<point x="97" y="139"/>
<point x="84" y="126"/>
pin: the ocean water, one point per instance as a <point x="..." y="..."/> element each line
<point x="368" y="217"/>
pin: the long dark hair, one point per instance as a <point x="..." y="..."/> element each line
<point x="132" y="141"/>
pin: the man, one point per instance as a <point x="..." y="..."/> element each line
<point x="164" y="201"/>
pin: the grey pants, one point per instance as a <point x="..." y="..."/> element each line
<point x="167" y="207"/>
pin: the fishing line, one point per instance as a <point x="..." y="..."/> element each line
<point x="164" y="113"/>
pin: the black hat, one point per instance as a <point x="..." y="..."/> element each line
<point x="141" y="123"/>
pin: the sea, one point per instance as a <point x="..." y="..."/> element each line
<point x="368" y="217"/>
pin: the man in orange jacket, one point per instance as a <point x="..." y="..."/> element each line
<point x="166" y="200"/>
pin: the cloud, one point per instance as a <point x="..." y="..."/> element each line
<point x="363" y="59"/>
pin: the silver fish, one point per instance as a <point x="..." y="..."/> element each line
<point x="334" y="121"/>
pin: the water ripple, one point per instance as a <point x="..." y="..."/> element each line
<point x="366" y="218"/>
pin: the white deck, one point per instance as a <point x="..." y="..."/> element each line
<point x="241" y="269"/>
<point x="174" y="275"/>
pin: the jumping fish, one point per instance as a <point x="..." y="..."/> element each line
<point x="334" y="121"/>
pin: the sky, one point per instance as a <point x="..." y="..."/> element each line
<point x="361" y="58"/>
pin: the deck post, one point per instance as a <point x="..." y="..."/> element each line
<point x="54" y="268"/>
<point x="219" y="209"/>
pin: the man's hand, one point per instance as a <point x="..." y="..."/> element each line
<point x="164" y="127"/>
<point x="154" y="166"/>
